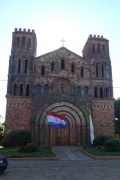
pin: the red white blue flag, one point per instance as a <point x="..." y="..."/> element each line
<point x="56" y="120"/>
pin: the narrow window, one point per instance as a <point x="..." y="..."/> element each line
<point x="38" y="89"/>
<point x="19" y="65"/>
<point x="62" y="64"/>
<point x="29" y="43"/>
<point x="21" y="89"/>
<point x="15" y="89"/>
<point x="96" y="70"/>
<point x="85" y="91"/>
<point x="18" y="42"/>
<point x="79" y="91"/>
<point x="106" y="93"/>
<point x="43" y="71"/>
<point x="103" y="49"/>
<point x="23" y="41"/>
<point x="98" y="46"/>
<point x="101" y="92"/>
<point x="102" y="70"/>
<point x="46" y="89"/>
<point x="27" y="90"/>
<point x="93" y="49"/>
<point x="82" y="72"/>
<point x="95" y="92"/>
<point x="72" y="68"/>
<point x="26" y="66"/>
<point x="62" y="87"/>
<point x="52" y="66"/>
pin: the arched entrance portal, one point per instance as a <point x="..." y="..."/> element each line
<point x="77" y="121"/>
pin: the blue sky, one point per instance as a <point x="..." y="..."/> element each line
<point x="53" y="20"/>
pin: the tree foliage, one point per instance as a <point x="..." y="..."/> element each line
<point x="117" y="116"/>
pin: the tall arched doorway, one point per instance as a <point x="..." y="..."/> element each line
<point x="76" y="134"/>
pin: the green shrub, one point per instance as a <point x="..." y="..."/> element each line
<point x="30" y="147"/>
<point x="100" y="140"/>
<point x="112" y="145"/>
<point x="17" y="138"/>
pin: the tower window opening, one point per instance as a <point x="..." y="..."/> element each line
<point x="27" y="90"/>
<point x="98" y="45"/>
<point x="103" y="49"/>
<point x="102" y="70"/>
<point x="82" y="72"/>
<point x="96" y="70"/>
<point x="106" y="92"/>
<point x="29" y="43"/>
<point x="38" y="89"/>
<point x="72" y="68"/>
<point x="15" y="89"/>
<point x="93" y="48"/>
<point x="26" y="66"/>
<point x="21" y="89"/>
<point x="19" y="65"/>
<point x="43" y="71"/>
<point x="23" y="41"/>
<point x="52" y="66"/>
<point x="95" y="92"/>
<point x="101" y="92"/>
<point x="18" y="42"/>
<point x="62" y="64"/>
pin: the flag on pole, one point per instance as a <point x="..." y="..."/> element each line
<point x="56" y="120"/>
<point x="91" y="129"/>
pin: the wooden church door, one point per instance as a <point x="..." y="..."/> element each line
<point x="62" y="137"/>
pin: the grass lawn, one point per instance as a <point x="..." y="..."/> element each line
<point x="101" y="152"/>
<point x="40" y="153"/>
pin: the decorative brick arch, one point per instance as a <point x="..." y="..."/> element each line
<point x="78" y="121"/>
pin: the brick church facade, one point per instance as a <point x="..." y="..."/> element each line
<point x="63" y="82"/>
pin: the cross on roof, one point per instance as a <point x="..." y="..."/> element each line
<point x="63" y="42"/>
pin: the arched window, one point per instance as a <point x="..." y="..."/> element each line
<point x="19" y="65"/>
<point x="27" y="90"/>
<point x="82" y="72"/>
<point x="52" y="66"/>
<point x="29" y="43"/>
<point x="38" y="89"/>
<point x="46" y="89"/>
<point x="43" y="71"/>
<point x="106" y="93"/>
<point x="14" y="89"/>
<point x="18" y="42"/>
<point x="78" y="91"/>
<point x="101" y="92"/>
<point x="85" y="91"/>
<point x="23" y="41"/>
<point x="62" y="87"/>
<point x="21" y="89"/>
<point x="26" y="66"/>
<point x="72" y="68"/>
<point x="98" y="47"/>
<point x="93" y="49"/>
<point x="95" y="92"/>
<point x="102" y="70"/>
<point x="96" y="70"/>
<point x="62" y="64"/>
<point x="103" y="49"/>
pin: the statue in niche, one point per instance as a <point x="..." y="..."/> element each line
<point x="62" y="87"/>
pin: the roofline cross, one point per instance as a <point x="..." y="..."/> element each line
<point x="63" y="42"/>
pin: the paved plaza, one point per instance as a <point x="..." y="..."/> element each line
<point x="72" y="165"/>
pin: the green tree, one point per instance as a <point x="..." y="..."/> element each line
<point x="2" y="127"/>
<point x="117" y="116"/>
